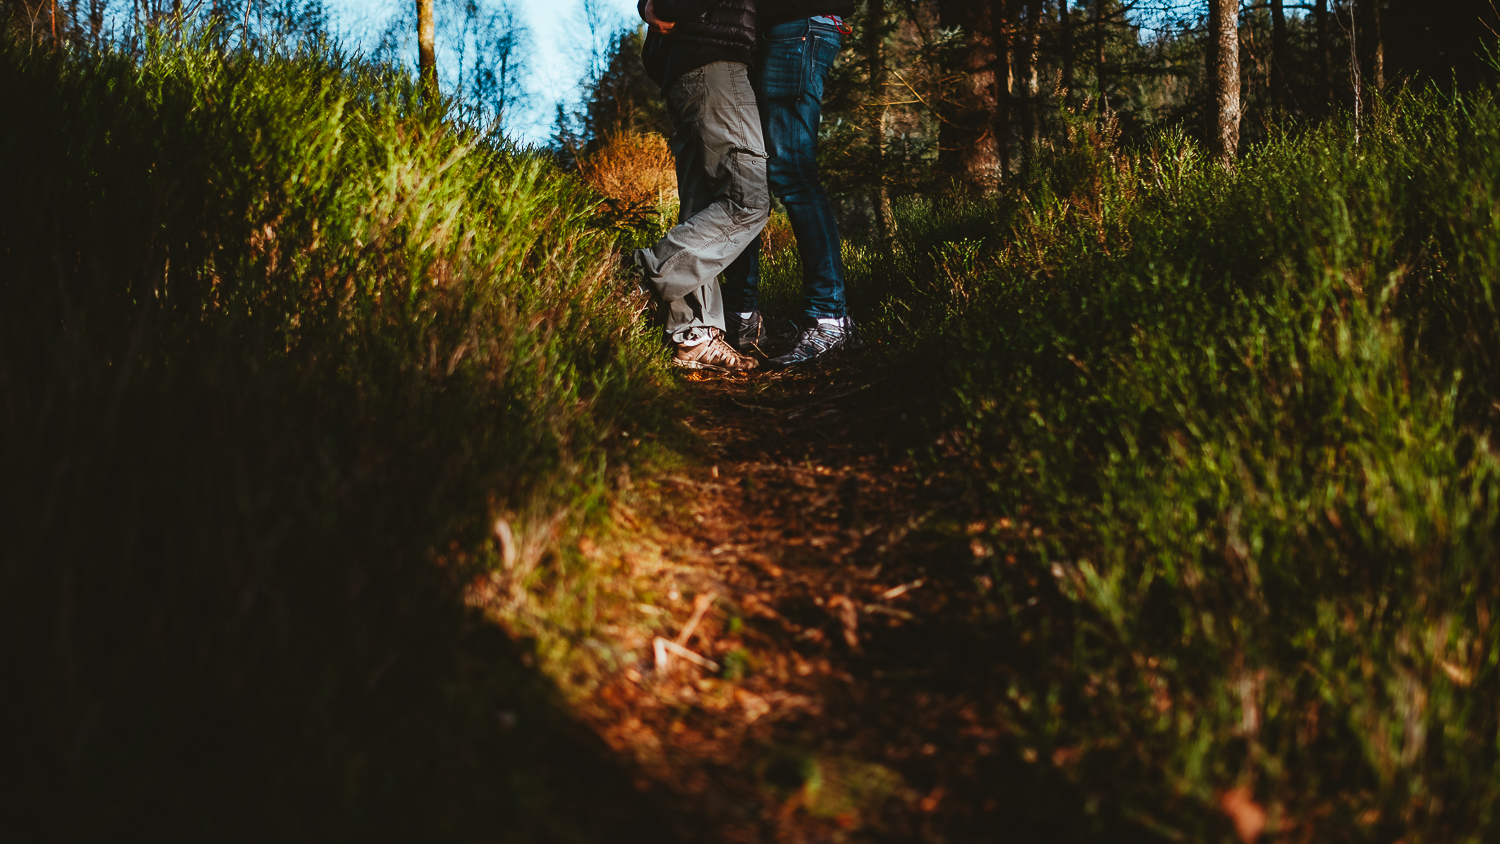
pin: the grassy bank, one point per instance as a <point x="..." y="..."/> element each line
<point x="278" y="348"/>
<point x="288" y="363"/>
<point x="1229" y="435"/>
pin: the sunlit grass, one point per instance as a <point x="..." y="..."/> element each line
<point x="1232" y="434"/>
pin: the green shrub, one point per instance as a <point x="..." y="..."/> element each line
<point x="276" y="347"/>
<point x="1232" y="432"/>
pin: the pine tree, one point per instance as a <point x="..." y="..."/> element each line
<point x="623" y="99"/>
<point x="967" y="147"/>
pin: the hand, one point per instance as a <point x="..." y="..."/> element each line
<point x="657" y="24"/>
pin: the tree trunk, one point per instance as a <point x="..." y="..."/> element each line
<point x="1279" y="90"/>
<point x="1066" y="19"/>
<point x="1355" y="76"/>
<point x="427" y="50"/>
<point x="1376" y="35"/>
<point x="1223" y="27"/>
<point x="1101" y="9"/>
<point x="875" y="48"/>
<point x="1000" y="30"/>
<point x="1325" y="51"/>
<point x="966" y="140"/>
<point x="1031" y="104"/>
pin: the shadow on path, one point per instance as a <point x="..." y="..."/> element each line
<point x="198" y="641"/>
<point x="859" y="690"/>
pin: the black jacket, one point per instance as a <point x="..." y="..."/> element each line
<point x="773" y="12"/>
<point x="706" y="31"/>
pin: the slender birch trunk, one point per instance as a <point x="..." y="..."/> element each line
<point x="1325" y="50"/>
<point x="875" y="48"/>
<point x="1000" y="30"/>
<point x="1101" y="9"/>
<point x="1031" y="103"/>
<point x="427" y="50"/>
<point x="1224" y="30"/>
<point x="1279" y="89"/>
<point x="1065" y="18"/>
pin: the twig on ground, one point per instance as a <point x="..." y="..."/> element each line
<point x="787" y="411"/>
<point x="678" y="479"/>
<point x="663" y="647"/>
<point x="847" y="612"/>
<point x="700" y="606"/>
<point x="891" y="611"/>
<point x="898" y="591"/>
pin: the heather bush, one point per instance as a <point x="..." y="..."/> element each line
<point x="1230" y="436"/>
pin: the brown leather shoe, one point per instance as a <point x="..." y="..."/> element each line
<point x="713" y="354"/>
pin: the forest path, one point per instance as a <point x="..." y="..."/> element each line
<point x="854" y="692"/>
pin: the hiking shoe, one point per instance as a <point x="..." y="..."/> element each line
<point x="713" y="354"/>
<point x="745" y="333"/>
<point x="819" y="341"/>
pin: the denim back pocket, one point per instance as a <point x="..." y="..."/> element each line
<point x="823" y="51"/>
<point x="781" y="61"/>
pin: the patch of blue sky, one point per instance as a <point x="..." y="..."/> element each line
<point x="561" y="38"/>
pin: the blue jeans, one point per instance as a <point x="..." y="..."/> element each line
<point x="792" y="61"/>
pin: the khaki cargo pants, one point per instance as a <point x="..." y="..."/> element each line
<point x="721" y="184"/>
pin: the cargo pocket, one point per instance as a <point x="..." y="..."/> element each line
<point x="685" y="99"/>
<point x="747" y="186"/>
<point x="742" y="93"/>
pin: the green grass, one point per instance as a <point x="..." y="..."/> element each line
<point x="1232" y="437"/>
<point x="277" y="348"/>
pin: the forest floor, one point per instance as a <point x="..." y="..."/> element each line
<point x="823" y="671"/>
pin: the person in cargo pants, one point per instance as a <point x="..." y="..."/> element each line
<point x="698" y="52"/>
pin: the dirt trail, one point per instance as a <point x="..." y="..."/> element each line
<point x="855" y="691"/>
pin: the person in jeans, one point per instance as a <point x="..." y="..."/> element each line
<point x="799" y="42"/>
<point x="699" y="51"/>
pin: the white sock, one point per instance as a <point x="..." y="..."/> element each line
<point x="744" y="314"/>
<point x="828" y="320"/>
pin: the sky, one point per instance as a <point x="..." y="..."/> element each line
<point x="559" y="43"/>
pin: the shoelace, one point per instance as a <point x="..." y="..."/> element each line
<point x="819" y="340"/>
<point x="719" y="350"/>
